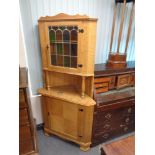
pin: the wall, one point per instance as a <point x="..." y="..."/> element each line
<point x="22" y="61"/>
<point x="32" y="10"/>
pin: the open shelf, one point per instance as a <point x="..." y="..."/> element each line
<point x="67" y="93"/>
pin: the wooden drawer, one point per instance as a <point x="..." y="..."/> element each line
<point x="123" y="81"/>
<point x="132" y="81"/>
<point x="101" y="84"/>
<point x="23" y="116"/>
<point x="125" y="128"/>
<point x="104" y="136"/>
<point x="24" y="132"/>
<point x="26" y="146"/>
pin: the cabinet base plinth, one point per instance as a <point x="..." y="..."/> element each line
<point x="47" y="134"/>
<point x="84" y="148"/>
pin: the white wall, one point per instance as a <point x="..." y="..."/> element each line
<point x="22" y="61"/>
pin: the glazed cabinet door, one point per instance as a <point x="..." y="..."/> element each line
<point x="64" y="118"/>
<point x="63" y="46"/>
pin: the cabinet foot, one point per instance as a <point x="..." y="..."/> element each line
<point x="46" y="134"/>
<point x="84" y="148"/>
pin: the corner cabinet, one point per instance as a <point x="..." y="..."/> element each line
<point x="68" y="43"/>
<point x="68" y="52"/>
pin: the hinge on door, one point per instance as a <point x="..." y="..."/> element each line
<point x="80" y="65"/>
<point x="81" y="30"/>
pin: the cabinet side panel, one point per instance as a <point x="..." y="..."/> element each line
<point x="91" y="47"/>
<point x="45" y="112"/>
<point x="43" y="43"/>
<point x="88" y="121"/>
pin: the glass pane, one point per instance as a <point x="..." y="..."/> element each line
<point x="60" y="60"/>
<point x="58" y="35"/>
<point x="66" y="61"/>
<point x="52" y="36"/>
<point x="66" y="36"/>
<point x="59" y="49"/>
<point x="66" y="49"/>
<point x="53" y="59"/>
<point x="74" y="35"/>
<point x="53" y="48"/>
<point x="74" y="62"/>
<point x="74" y="49"/>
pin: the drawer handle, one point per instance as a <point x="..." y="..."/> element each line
<point x="105" y="135"/>
<point x="129" y="110"/>
<point x="122" y="125"/>
<point x="108" y="116"/>
<point x="126" y="128"/>
<point x="127" y="120"/>
<point x="106" y="126"/>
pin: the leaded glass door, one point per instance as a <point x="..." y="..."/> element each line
<point x="63" y="46"/>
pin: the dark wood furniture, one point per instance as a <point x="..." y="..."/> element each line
<point x="114" y="113"/>
<point x="27" y="129"/>
<point x="125" y="146"/>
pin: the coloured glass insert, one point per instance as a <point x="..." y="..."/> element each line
<point x="63" y="45"/>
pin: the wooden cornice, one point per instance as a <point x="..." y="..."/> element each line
<point x="66" y="17"/>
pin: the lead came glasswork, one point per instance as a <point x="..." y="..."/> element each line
<point x="66" y="36"/>
<point x="63" y="45"/>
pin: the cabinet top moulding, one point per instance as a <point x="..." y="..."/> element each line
<point x="65" y="17"/>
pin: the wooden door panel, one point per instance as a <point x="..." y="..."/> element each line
<point x="63" y="117"/>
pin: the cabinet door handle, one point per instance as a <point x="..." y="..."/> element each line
<point x="47" y="47"/>
<point x="80" y="109"/>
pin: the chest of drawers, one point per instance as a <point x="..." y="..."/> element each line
<point x="114" y="113"/>
<point x="27" y="131"/>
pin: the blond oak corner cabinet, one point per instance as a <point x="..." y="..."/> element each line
<point x="68" y="51"/>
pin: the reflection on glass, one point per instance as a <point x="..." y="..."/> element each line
<point x="66" y="36"/>
<point x="59" y="49"/>
<point x="74" y="49"/>
<point x="58" y="35"/>
<point x="53" y="48"/>
<point x="66" y="49"/>
<point x="53" y="58"/>
<point x="74" y="62"/>
<point x="66" y="61"/>
<point x="73" y="35"/>
<point x="60" y="60"/>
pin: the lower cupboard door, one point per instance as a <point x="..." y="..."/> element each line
<point x="63" y="118"/>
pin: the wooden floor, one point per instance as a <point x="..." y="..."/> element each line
<point x="124" y="146"/>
